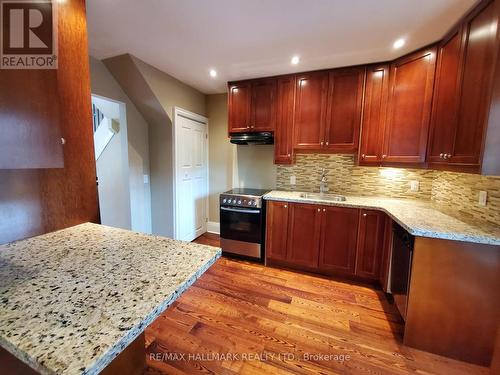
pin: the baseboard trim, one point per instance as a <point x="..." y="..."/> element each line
<point x="213" y="227"/>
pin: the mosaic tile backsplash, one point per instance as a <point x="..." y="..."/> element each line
<point x="455" y="193"/>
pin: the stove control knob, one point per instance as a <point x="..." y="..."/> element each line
<point x="255" y="203"/>
<point x="249" y="203"/>
<point x="239" y="202"/>
<point x="224" y="200"/>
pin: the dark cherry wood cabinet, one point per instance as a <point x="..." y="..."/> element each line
<point x="277" y="230"/>
<point x="285" y="107"/>
<point x="410" y="96"/>
<point x="339" y="232"/>
<point x="263" y="102"/>
<point x="446" y="97"/>
<point x="239" y="111"/>
<point x="345" y="96"/>
<point x="304" y="235"/>
<point x="310" y="110"/>
<point x="331" y="240"/>
<point x="370" y="244"/>
<point x="374" y="114"/>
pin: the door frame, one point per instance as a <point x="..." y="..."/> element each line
<point x="203" y="120"/>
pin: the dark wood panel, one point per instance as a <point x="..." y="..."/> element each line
<point x="40" y="201"/>
<point x="277" y="230"/>
<point x="283" y="135"/>
<point x="374" y="114"/>
<point x="310" y="110"/>
<point x="339" y="231"/>
<point x="454" y="299"/>
<point x="478" y="71"/>
<point x="239" y="307"/>
<point x="239" y="101"/>
<point x="345" y="96"/>
<point x="446" y="98"/>
<point x="370" y="244"/>
<point x="263" y="105"/>
<point x="386" y="254"/>
<point x="411" y="85"/>
<point x="304" y="234"/>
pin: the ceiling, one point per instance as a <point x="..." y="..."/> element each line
<point x="255" y="38"/>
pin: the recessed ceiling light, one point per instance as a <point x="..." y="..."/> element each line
<point x="399" y="43"/>
<point x="295" y="60"/>
<point x="213" y="73"/>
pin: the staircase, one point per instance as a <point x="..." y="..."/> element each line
<point x="104" y="130"/>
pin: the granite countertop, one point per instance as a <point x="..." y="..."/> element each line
<point x="72" y="300"/>
<point x="419" y="218"/>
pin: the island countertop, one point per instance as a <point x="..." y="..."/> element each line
<point x="72" y="300"/>
<point x="419" y="218"/>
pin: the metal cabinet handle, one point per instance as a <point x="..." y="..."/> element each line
<point x="286" y="206"/>
<point x="321" y="143"/>
<point x="384" y="156"/>
<point x="319" y="209"/>
<point x="289" y="155"/>
<point x="324" y="209"/>
<point x="327" y="143"/>
<point x="364" y="215"/>
<point x="362" y="156"/>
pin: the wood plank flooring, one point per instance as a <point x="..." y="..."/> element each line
<point x="244" y="318"/>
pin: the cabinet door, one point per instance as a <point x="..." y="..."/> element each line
<point x="478" y="68"/>
<point x="263" y="105"/>
<point x="304" y="234"/>
<point x="370" y="244"/>
<point x="345" y="95"/>
<point x="276" y="230"/>
<point x="374" y="114"/>
<point x="412" y="80"/>
<point x="339" y="231"/>
<point x="283" y="135"/>
<point x="310" y="110"/>
<point x="239" y="99"/>
<point x="445" y="101"/>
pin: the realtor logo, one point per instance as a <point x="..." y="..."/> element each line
<point x="28" y="34"/>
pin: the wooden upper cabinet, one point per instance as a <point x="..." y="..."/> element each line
<point x="374" y="114"/>
<point x="239" y="100"/>
<point x="345" y="96"/>
<point x="479" y="63"/>
<point x="304" y="235"/>
<point x="310" y="110"/>
<point x="339" y="231"/>
<point x="446" y="97"/>
<point x="263" y="105"/>
<point x="370" y="244"/>
<point x="410" y="96"/>
<point x="277" y="230"/>
<point x="283" y="135"/>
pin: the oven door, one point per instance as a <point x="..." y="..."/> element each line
<point x="241" y="224"/>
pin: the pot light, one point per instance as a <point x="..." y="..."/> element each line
<point x="295" y="60"/>
<point x="399" y="43"/>
<point x="213" y="73"/>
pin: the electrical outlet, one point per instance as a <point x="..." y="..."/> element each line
<point x="414" y="186"/>
<point x="483" y="198"/>
<point x="293" y="180"/>
<point x="146" y="178"/>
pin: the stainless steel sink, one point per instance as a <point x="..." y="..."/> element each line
<point x="326" y="197"/>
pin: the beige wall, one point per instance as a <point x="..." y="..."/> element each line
<point x="128" y="204"/>
<point x="231" y="165"/>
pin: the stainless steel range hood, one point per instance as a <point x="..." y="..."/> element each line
<point x="263" y="138"/>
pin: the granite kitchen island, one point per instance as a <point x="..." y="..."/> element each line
<point x="73" y="300"/>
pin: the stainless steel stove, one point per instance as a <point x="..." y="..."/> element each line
<point x="242" y="223"/>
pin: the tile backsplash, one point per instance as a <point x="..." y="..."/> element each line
<point x="455" y="193"/>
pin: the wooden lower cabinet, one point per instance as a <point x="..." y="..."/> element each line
<point x="331" y="240"/>
<point x="339" y="231"/>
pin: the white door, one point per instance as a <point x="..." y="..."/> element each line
<point x="191" y="167"/>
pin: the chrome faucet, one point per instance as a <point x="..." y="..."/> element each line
<point x="323" y="184"/>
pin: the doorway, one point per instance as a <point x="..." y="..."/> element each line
<point x="190" y="174"/>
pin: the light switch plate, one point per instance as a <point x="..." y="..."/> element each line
<point x="414" y="186"/>
<point x="483" y="197"/>
<point x="293" y="180"/>
<point x="146" y="179"/>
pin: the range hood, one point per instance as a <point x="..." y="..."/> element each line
<point x="263" y="138"/>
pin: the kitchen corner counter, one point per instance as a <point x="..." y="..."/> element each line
<point x="72" y="300"/>
<point x="419" y="218"/>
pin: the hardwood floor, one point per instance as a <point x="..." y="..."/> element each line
<point x="244" y="318"/>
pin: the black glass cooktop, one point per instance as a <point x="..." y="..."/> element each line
<point x="247" y="191"/>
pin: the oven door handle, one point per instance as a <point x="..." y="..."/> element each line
<point x="242" y="210"/>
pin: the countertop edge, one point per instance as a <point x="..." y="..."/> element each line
<point x="455" y="237"/>
<point x="134" y="332"/>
